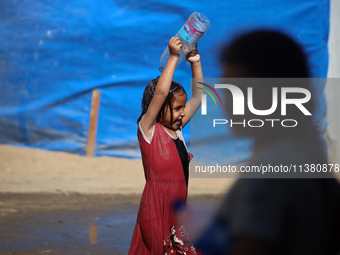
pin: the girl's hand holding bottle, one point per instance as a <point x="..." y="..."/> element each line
<point x="193" y="57"/>
<point x="175" y="46"/>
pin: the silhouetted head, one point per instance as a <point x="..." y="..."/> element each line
<point x="266" y="54"/>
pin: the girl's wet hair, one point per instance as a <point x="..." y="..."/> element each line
<point x="148" y="95"/>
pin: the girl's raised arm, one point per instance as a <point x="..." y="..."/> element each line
<point x="162" y="88"/>
<point x="194" y="103"/>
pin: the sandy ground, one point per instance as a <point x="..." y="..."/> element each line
<point x="60" y="203"/>
<point x="73" y="223"/>
<point x="24" y="170"/>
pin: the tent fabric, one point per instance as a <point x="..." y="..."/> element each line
<point x="54" y="53"/>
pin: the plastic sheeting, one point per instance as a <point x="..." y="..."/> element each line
<point x="54" y="53"/>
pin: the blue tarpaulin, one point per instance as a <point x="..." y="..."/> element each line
<point x="54" y="53"/>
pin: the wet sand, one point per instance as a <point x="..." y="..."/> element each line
<point x="62" y="203"/>
<point x="72" y="223"/>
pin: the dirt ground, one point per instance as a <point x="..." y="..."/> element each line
<point x="61" y="203"/>
<point x="24" y="170"/>
<point x="45" y="223"/>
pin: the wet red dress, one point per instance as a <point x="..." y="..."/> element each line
<point x="157" y="231"/>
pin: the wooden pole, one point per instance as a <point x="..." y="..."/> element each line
<point x="91" y="139"/>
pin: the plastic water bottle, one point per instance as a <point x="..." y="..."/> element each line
<point x="192" y="30"/>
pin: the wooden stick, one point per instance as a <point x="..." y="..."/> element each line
<point x="91" y="139"/>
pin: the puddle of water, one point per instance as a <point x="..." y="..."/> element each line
<point x="70" y="233"/>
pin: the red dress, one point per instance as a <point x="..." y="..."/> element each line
<point x="156" y="231"/>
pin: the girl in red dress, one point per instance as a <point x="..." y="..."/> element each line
<point x="165" y="159"/>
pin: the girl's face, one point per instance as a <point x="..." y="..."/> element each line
<point x="178" y="105"/>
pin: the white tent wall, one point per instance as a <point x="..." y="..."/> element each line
<point x="333" y="92"/>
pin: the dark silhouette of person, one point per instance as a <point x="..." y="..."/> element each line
<point x="277" y="215"/>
